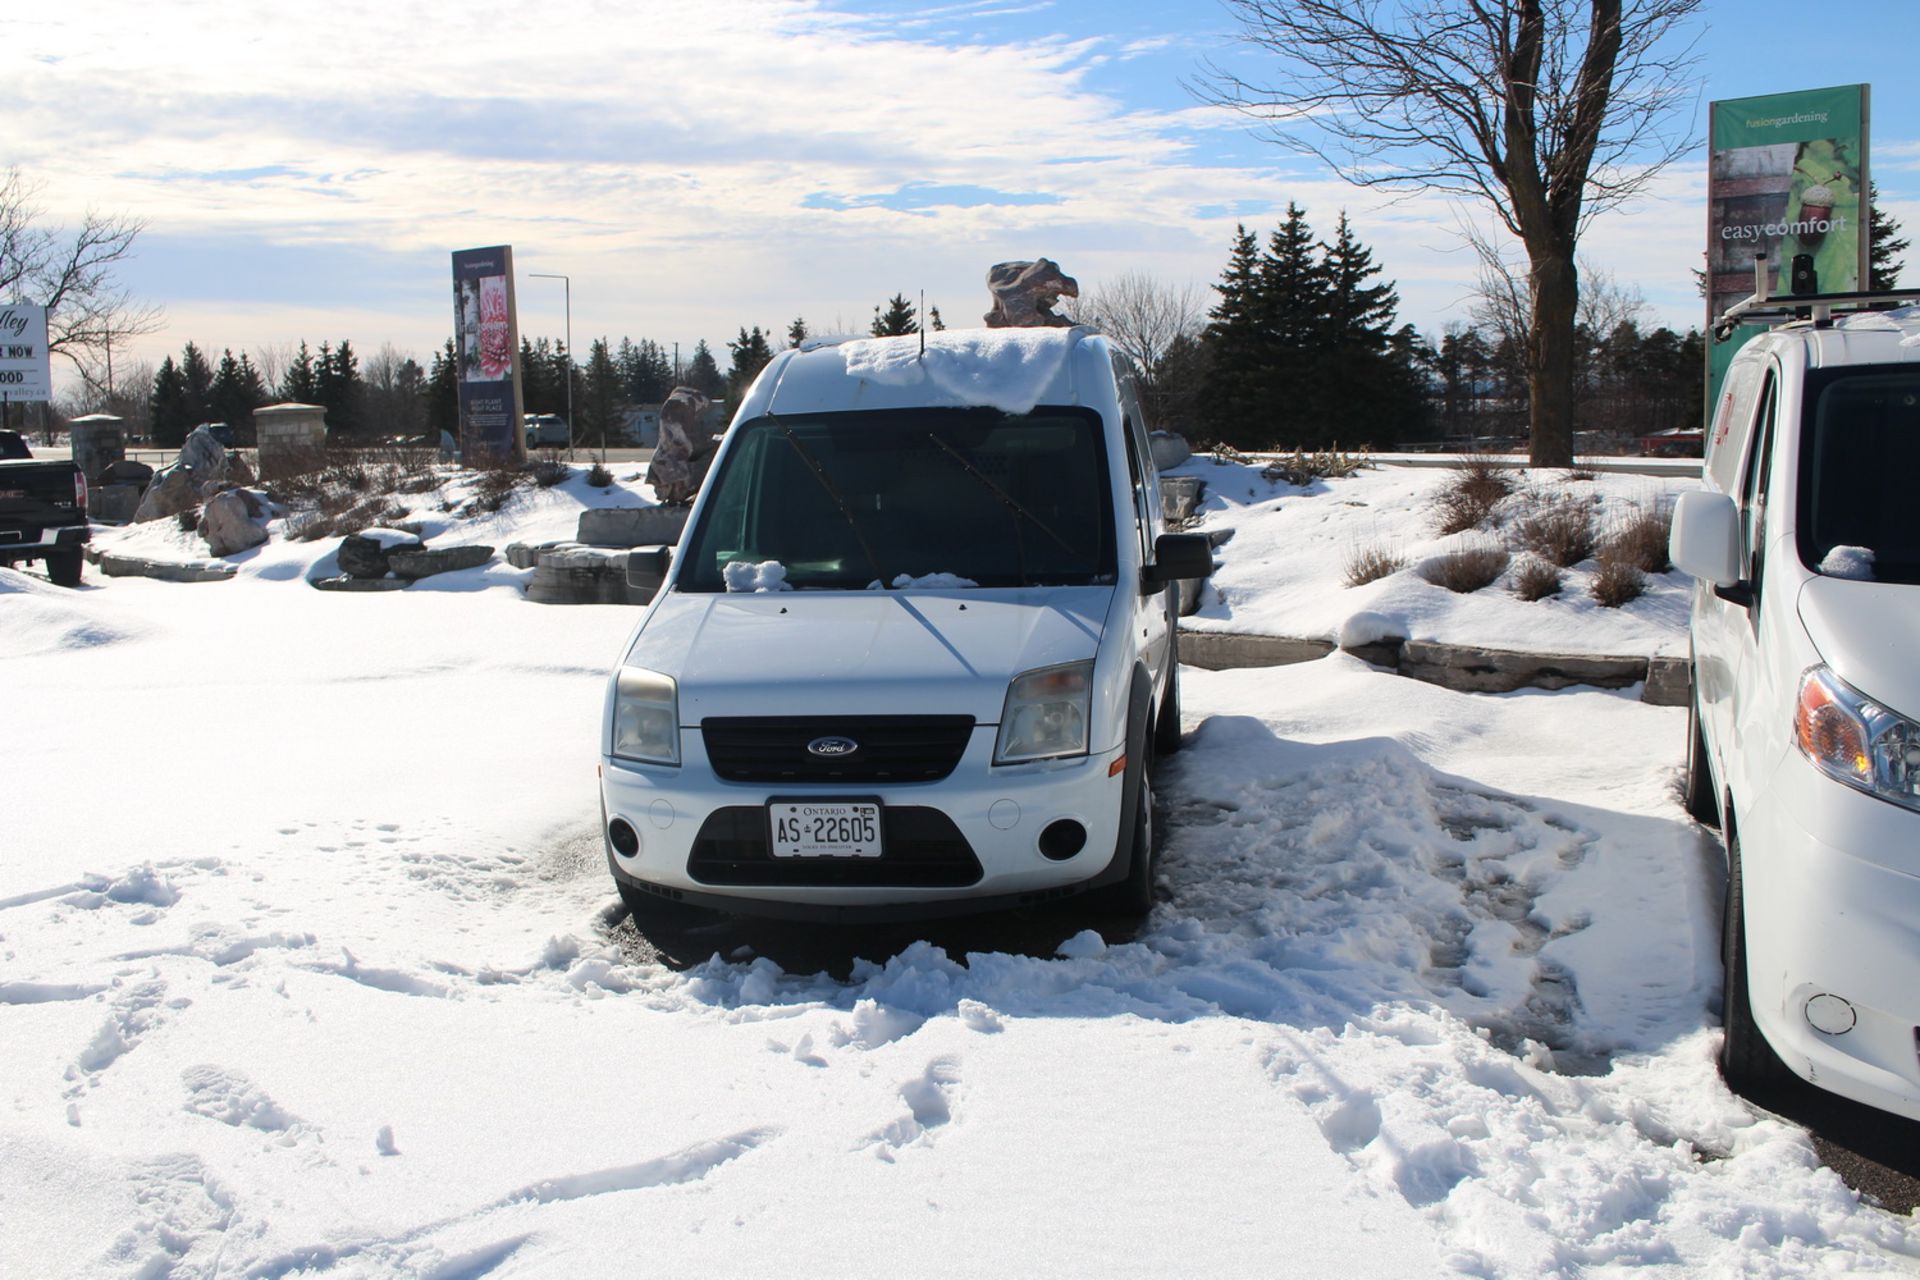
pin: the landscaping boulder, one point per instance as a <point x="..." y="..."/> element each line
<point x="113" y="503"/>
<point x="583" y="575"/>
<point x="1024" y="294"/>
<point x="686" y="448"/>
<point x="119" y="566"/>
<point x="1170" y="449"/>
<point x="345" y="583"/>
<point x="367" y="554"/>
<point x="172" y="491"/>
<point x="233" y="521"/>
<point x="427" y="561"/>
<point x="632" y="526"/>
<point x="202" y="470"/>
<point x="125" y="471"/>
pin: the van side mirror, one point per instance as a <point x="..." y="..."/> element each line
<point x="1705" y="541"/>
<point x="1177" y="556"/>
<point x="647" y="569"/>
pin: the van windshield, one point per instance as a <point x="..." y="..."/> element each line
<point x="954" y="497"/>
<point x="1860" y="454"/>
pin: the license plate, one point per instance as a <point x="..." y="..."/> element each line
<point x="825" y="829"/>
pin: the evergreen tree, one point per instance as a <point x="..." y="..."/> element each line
<point x="646" y="374"/>
<point x="299" y="384"/>
<point x="897" y="320"/>
<point x="934" y="322"/>
<point x="601" y="400"/>
<point x="440" y="393"/>
<point x="703" y="372"/>
<point x="541" y="390"/>
<point x="197" y="376"/>
<point x="168" y="407"/>
<point x="750" y="355"/>
<point x="797" y="332"/>
<point x="1886" y="250"/>
<point x="1369" y="373"/>
<point x="236" y="392"/>
<point x="338" y="386"/>
<point x="1229" y="400"/>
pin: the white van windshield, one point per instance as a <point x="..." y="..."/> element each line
<point x="1860" y="457"/>
<point x="886" y="498"/>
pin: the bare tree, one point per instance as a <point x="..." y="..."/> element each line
<point x="1142" y="315"/>
<point x="72" y="275"/>
<point x="273" y="359"/>
<point x="1546" y="111"/>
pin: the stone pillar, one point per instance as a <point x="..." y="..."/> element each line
<point x="99" y="441"/>
<point x="292" y="438"/>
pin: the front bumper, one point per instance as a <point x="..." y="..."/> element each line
<point x="1832" y="885"/>
<point x="968" y="842"/>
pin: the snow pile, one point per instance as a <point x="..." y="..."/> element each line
<point x="1007" y="369"/>
<point x="925" y="581"/>
<point x="759" y="575"/>
<point x="1849" y="562"/>
<point x="1283" y="570"/>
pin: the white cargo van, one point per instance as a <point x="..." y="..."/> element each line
<point x="1805" y="734"/>
<point x="915" y="651"/>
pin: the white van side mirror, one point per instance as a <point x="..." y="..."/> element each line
<point x="1705" y="541"/>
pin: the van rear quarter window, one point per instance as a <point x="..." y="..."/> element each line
<point x="845" y="500"/>
<point x="1860" y="457"/>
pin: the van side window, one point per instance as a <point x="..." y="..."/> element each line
<point x="1753" y="491"/>
<point x="1735" y="413"/>
<point x="1137" y="472"/>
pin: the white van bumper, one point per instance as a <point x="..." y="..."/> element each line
<point x="968" y="841"/>
<point x="1832" y="884"/>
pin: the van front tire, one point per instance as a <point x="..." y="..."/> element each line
<point x="1702" y="805"/>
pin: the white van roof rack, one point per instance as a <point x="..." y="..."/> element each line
<point x="1783" y="308"/>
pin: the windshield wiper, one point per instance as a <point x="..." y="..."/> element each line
<point x="820" y="474"/>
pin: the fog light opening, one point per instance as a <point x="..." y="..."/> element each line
<point x="1062" y="839"/>
<point x="624" y="839"/>
<point x="1830" y="1015"/>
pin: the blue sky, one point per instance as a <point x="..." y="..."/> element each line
<point x="698" y="167"/>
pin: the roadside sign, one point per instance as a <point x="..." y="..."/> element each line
<point x="25" y="371"/>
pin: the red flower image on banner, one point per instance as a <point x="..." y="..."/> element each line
<point x="496" y="345"/>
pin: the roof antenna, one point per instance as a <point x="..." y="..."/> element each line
<point x="923" y="325"/>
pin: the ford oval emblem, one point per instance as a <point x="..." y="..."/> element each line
<point x="832" y="747"/>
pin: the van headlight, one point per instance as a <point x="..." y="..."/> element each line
<point x="1046" y="715"/>
<point x="646" y="717"/>
<point x="1855" y="740"/>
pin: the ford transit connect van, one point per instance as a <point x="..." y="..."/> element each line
<point x="915" y="650"/>
<point x="1804" y="740"/>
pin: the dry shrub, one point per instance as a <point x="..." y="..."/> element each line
<point x="1535" y="579"/>
<point x="1370" y="564"/>
<point x="1616" y="582"/>
<point x="190" y="520"/>
<point x="549" y="469"/>
<point x="493" y="489"/>
<point x="1578" y="473"/>
<point x="1303" y="468"/>
<point x="1471" y="493"/>
<point x="599" y="477"/>
<point x="1467" y="569"/>
<point x="426" y="482"/>
<point x="1641" y="539"/>
<point x="1559" y="532"/>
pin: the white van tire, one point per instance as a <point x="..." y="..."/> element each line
<point x="1702" y="805"/>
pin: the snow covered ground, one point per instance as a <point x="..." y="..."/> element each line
<point x="310" y="964"/>
<point x="1283" y="572"/>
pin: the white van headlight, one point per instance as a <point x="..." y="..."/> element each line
<point x="1856" y="740"/>
<point x="646" y="717"/>
<point x="1046" y="715"/>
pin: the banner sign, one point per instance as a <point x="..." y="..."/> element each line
<point x="1787" y="177"/>
<point x="25" y="370"/>
<point x="486" y="340"/>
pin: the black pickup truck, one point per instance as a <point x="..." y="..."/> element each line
<point x="43" y="511"/>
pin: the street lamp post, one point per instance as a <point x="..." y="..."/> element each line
<point x="567" y="282"/>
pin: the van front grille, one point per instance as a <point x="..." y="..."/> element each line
<point x="923" y="850"/>
<point x="886" y="748"/>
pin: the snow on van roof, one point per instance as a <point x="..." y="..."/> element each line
<point x="1903" y="320"/>
<point x="1007" y="369"/>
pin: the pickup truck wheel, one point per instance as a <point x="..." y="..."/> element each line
<point x="1702" y="804"/>
<point x="1748" y="1062"/>
<point x="64" y="568"/>
<point x="1166" y="722"/>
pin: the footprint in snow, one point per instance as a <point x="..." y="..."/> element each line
<point x="929" y="1099"/>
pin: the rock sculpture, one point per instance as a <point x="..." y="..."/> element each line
<point x="686" y="447"/>
<point x="1024" y="294"/>
<point x="198" y="473"/>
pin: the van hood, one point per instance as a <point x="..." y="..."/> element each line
<point x="1864" y="631"/>
<point x="864" y="653"/>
